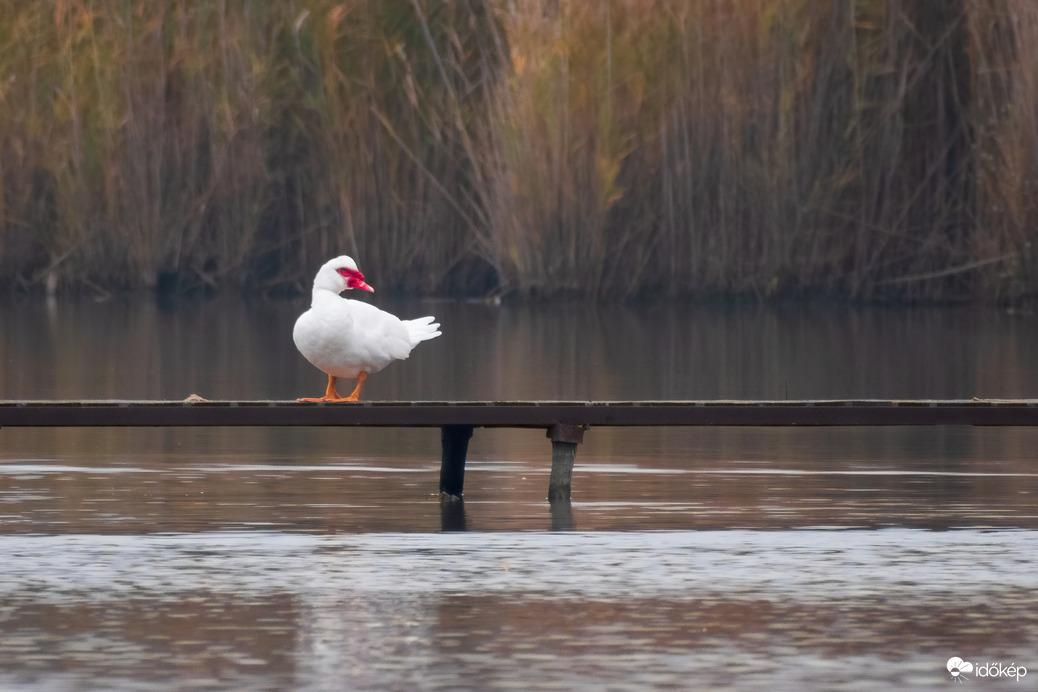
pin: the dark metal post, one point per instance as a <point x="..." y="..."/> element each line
<point x="455" y="441"/>
<point x="564" y="440"/>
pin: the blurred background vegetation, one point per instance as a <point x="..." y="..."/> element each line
<point x="863" y="149"/>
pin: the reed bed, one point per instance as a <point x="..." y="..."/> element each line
<point x="864" y="149"/>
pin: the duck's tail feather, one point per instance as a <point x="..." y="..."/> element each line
<point x="422" y="329"/>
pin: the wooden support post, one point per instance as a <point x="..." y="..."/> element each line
<point x="564" y="440"/>
<point x="455" y="442"/>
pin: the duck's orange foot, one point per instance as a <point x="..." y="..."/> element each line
<point x="332" y="396"/>
<point x="360" y="385"/>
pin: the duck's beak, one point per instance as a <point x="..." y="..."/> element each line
<point x="354" y="279"/>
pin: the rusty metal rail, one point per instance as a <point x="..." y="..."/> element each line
<point x="565" y="421"/>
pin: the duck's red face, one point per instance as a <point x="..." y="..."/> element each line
<point x="354" y="279"/>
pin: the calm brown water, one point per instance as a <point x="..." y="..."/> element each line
<point x="701" y="558"/>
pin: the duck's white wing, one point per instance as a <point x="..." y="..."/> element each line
<point x="381" y="336"/>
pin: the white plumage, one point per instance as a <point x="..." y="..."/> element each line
<point x="350" y="338"/>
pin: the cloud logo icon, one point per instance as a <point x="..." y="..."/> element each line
<point x="956" y="666"/>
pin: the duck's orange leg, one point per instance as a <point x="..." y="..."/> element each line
<point x="330" y="394"/>
<point x="360" y="385"/>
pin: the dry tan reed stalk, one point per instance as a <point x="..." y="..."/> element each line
<point x="867" y="149"/>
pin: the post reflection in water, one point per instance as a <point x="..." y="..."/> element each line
<point x="452" y="515"/>
<point x="562" y="515"/>
<point x="839" y="558"/>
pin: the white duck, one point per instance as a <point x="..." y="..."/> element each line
<point x="350" y="338"/>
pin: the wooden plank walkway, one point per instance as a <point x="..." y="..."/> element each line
<point x="521" y="414"/>
<point x="565" y="421"/>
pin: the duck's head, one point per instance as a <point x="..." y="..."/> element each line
<point x="340" y="274"/>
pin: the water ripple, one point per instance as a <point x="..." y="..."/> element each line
<point x="808" y="565"/>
